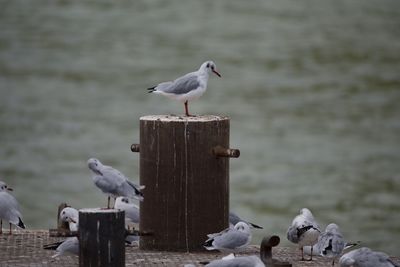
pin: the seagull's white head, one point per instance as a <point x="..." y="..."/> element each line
<point x="4" y="187"/>
<point x="306" y="212"/>
<point x="69" y="215"/>
<point x="209" y="67"/>
<point x="120" y="201"/>
<point x="95" y="165"/>
<point x="242" y="227"/>
<point x="332" y="227"/>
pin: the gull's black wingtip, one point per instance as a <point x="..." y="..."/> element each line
<point x="21" y="224"/>
<point x="151" y="89"/>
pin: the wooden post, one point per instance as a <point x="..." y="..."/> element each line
<point x="101" y="237"/>
<point x="187" y="183"/>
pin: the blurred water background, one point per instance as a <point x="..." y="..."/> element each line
<point x="312" y="89"/>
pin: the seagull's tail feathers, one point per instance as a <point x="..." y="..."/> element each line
<point x="151" y="89"/>
<point x="53" y="246"/>
<point x="138" y="194"/>
<point x="255" y="226"/>
<point x="208" y="244"/>
<point x="21" y="223"/>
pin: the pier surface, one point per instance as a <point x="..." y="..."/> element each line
<point x="25" y="249"/>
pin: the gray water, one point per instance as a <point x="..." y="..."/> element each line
<point x="312" y="89"/>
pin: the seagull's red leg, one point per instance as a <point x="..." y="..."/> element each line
<point x="186" y="109"/>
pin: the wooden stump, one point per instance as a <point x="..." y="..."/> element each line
<point x="101" y="238"/>
<point x="184" y="165"/>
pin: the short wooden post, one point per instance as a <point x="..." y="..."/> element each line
<point x="101" y="237"/>
<point x="187" y="182"/>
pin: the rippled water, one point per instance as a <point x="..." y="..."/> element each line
<point x="312" y="89"/>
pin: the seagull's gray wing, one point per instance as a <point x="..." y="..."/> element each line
<point x="248" y="261"/>
<point x="230" y="240"/>
<point x="183" y="85"/>
<point x="292" y="234"/>
<point x="330" y="244"/>
<point x="106" y="184"/>
<point x="9" y="208"/>
<point x="70" y="245"/>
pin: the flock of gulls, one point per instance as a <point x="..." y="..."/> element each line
<point x="303" y="231"/>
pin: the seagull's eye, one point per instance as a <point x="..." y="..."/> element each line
<point x="212" y="67"/>
<point x="208" y="65"/>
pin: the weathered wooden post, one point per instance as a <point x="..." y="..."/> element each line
<point x="101" y="237"/>
<point x="184" y="164"/>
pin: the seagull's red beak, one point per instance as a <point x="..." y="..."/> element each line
<point x="217" y="73"/>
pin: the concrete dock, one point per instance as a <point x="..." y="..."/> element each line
<point x="25" y="249"/>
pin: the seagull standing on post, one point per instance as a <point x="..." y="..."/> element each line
<point x="188" y="87"/>
<point x="112" y="182"/>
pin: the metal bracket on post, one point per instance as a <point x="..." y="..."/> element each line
<point x="266" y="252"/>
<point x="220" y="151"/>
<point x="135" y="148"/>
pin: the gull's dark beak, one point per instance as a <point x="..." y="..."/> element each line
<point x="216" y="72"/>
<point x="10" y="189"/>
<point x="72" y="220"/>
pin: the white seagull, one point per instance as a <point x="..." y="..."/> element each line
<point x="304" y="231"/>
<point x="232" y="261"/>
<point x="230" y="239"/>
<point x="331" y="243"/>
<point x="112" y="182"/>
<point x="9" y="208"/>
<point x="188" y="87"/>
<point x="234" y="219"/>
<point x="71" y="216"/>
<point x="132" y="213"/>
<point x="365" y="257"/>
<point x="67" y="246"/>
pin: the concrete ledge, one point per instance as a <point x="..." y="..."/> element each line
<point x="25" y="248"/>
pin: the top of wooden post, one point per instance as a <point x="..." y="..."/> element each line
<point x="98" y="210"/>
<point x="177" y="118"/>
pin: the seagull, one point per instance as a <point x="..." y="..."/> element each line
<point x="234" y="219"/>
<point x="132" y="214"/>
<point x="9" y="208"/>
<point x="71" y="216"/>
<point x="67" y="246"/>
<point x="365" y="257"/>
<point x="112" y="182"/>
<point x="230" y="239"/>
<point x="188" y="87"/>
<point x="231" y="261"/>
<point x="317" y="252"/>
<point x="304" y="231"/>
<point x="331" y="242"/>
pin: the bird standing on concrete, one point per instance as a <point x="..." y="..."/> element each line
<point x="9" y="208"/>
<point x="112" y="182"/>
<point x="230" y="239"/>
<point x="304" y="231"/>
<point x="365" y="257"/>
<point x="188" y="87"/>
<point x="331" y="242"/>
